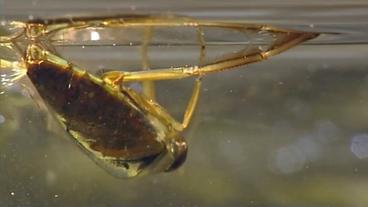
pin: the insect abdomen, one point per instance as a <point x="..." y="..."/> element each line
<point x="109" y="123"/>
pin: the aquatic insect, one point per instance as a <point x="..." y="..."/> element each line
<point x="127" y="132"/>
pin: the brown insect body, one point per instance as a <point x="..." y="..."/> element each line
<point x="109" y="123"/>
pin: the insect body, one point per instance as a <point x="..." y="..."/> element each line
<point x="125" y="137"/>
<point x="124" y="131"/>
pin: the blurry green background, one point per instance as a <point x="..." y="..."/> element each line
<point x="289" y="131"/>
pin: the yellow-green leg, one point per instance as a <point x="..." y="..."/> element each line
<point x="148" y="85"/>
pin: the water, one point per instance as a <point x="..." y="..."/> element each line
<point x="289" y="131"/>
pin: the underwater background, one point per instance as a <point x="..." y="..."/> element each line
<point x="288" y="131"/>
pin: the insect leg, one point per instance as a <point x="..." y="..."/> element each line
<point x="161" y="113"/>
<point x="197" y="85"/>
<point x="117" y="77"/>
<point x="234" y="61"/>
<point x="192" y="103"/>
<point x="148" y="85"/>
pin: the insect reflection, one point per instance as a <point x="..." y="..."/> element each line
<point x="126" y="132"/>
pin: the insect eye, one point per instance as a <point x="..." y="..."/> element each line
<point x="178" y="161"/>
<point x="180" y="149"/>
